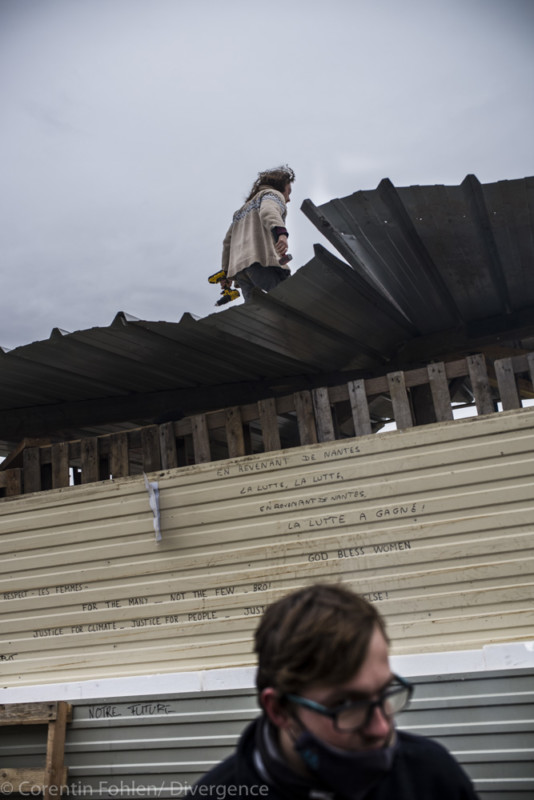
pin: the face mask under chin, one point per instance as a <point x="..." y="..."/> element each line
<point x="350" y="773"/>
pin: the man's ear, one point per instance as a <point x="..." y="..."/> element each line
<point x="275" y="710"/>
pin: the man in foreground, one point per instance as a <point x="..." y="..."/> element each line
<point x="329" y="700"/>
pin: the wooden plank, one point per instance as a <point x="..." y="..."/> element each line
<point x="439" y="386"/>
<point x="32" y="470"/>
<point x="118" y="456"/>
<point x="60" y="465"/>
<point x="305" y="417"/>
<point x="28" y="713"/>
<point x="13" y="482"/>
<point x="269" y="424"/>
<point x="507" y="386"/>
<point x="55" y="752"/>
<point x="29" y="779"/>
<point x="323" y="415"/>
<point x="89" y="459"/>
<point x="400" y="400"/>
<point x="201" y="441"/>
<point x="151" y="448"/>
<point x="414" y="377"/>
<point x="478" y="375"/>
<point x="14" y="459"/>
<point x="360" y="408"/>
<point x="234" y="432"/>
<point x="337" y="394"/>
<point x="167" y="441"/>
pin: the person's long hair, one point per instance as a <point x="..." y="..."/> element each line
<point x="277" y="178"/>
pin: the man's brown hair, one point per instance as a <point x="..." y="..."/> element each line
<point x="277" y="178"/>
<point x="319" y="634"/>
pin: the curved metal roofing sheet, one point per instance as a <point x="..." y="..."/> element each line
<point x="445" y="255"/>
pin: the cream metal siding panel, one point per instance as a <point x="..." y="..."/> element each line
<point x="486" y="720"/>
<point x="434" y="524"/>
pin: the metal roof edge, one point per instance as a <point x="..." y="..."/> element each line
<point x="58" y="333"/>
<point x="123" y="318"/>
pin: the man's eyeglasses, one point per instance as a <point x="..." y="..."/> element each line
<point x="351" y="717"/>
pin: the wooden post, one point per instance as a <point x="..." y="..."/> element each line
<point x="54" y="770"/>
<point x="151" y="448"/>
<point x="439" y="386"/>
<point x="201" y="439"/>
<point x="118" y="455"/>
<point x="269" y="424"/>
<point x="31" y="465"/>
<point x="509" y="395"/>
<point x="360" y="408"/>
<point x="323" y="415"/>
<point x="400" y="400"/>
<point x="305" y="417"/>
<point x="89" y="458"/>
<point x="13" y="482"/>
<point x="167" y="440"/>
<point x="478" y="375"/>
<point x="234" y="432"/>
<point x="60" y="465"/>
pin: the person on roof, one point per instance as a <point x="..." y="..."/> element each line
<point x="329" y="700"/>
<point x="255" y="246"/>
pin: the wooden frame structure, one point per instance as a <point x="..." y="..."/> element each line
<point x="52" y="778"/>
<point x="37" y="466"/>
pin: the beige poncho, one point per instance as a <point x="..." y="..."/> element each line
<point x="250" y="239"/>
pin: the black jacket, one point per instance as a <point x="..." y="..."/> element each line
<point x="422" y="770"/>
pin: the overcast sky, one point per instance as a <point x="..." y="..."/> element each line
<point x="132" y="129"/>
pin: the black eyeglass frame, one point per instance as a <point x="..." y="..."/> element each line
<point x="403" y="686"/>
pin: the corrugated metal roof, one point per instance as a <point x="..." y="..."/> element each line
<point x="434" y="272"/>
<point x="445" y="255"/>
<point x="324" y="318"/>
<point x="318" y="321"/>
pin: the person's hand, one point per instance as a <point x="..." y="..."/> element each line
<point x="226" y="283"/>
<point x="281" y="245"/>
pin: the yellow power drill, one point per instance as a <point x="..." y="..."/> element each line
<point x="228" y="294"/>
